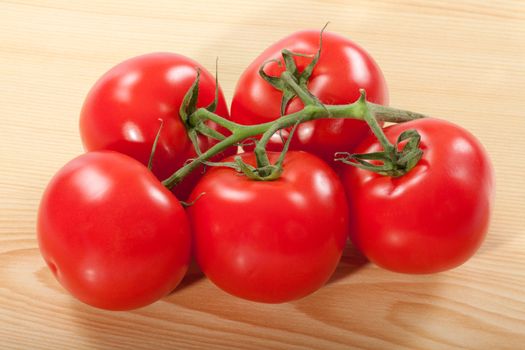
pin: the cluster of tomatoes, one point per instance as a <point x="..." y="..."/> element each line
<point x="117" y="238"/>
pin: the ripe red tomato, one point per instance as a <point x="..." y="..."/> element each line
<point x="111" y="233"/>
<point x="434" y="217"/>
<point x="122" y="111"/>
<point x="270" y="241"/>
<point x="343" y="68"/>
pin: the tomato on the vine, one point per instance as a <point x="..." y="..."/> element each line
<point x="270" y="241"/>
<point x="434" y="217"/>
<point x="111" y="233"/>
<point x="122" y="112"/>
<point x="343" y="68"/>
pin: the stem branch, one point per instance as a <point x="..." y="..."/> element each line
<point x="204" y="114"/>
<point x="301" y="93"/>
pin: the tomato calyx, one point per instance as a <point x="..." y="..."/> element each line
<point x="265" y="171"/>
<point x="189" y="106"/>
<point x="291" y="82"/>
<point x="395" y="160"/>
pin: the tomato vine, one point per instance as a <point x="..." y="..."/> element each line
<point x="291" y="82"/>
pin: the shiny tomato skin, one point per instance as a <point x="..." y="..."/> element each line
<point x="431" y="219"/>
<point x="113" y="236"/>
<point x="123" y="108"/>
<point x="343" y="68"/>
<point x="270" y="241"/>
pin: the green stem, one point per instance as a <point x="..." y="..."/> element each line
<point x="301" y="93"/>
<point x="356" y="110"/>
<point x="204" y="114"/>
<point x="388" y="147"/>
<point x="308" y="100"/>
<point x="392" y="115"/>
<point x="378" y="131"/>
<point x="380" y="112"/>
<point x="237" y="136"/>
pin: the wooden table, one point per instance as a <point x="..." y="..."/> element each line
<point x="463" y="61"/>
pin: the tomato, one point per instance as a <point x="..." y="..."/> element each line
<point x="434" y="217"/>
<point x="111" y="233"/>
<point x="122" y="111"/>
<point x="270" y="241"/>
<point x="343" y="68"/>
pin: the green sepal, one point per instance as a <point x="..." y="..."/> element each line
<point x="301" y="78"/>
<point x="189" y="204"/>
<point x="154" y="146"/>
<point x="276" y="82"/>
<point x="194" y="138"/>
<point x="411" y="153"/>
<point x="307" y="72"/>
<point x="394" y="164"/>
<point x="232" y="165"/>
<point x="207" y="131"/>
<point x="189" y="102"/>
<point x="213" y="105"/>
<point x="280" y="160"/>
<point x="189" y="106"/>
<point x="361" y="161"/>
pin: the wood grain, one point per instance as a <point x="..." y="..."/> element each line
<point x="459" y="60"/>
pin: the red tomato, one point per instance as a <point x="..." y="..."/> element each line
<point x="111" y="233"/>
<point x="433" y="218"/>
<point x="122" y="111"/>
<point x="343" y="68"/>
<point x="270" y="241"/>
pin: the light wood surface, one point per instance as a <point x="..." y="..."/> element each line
<point x="463" y="61"/>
